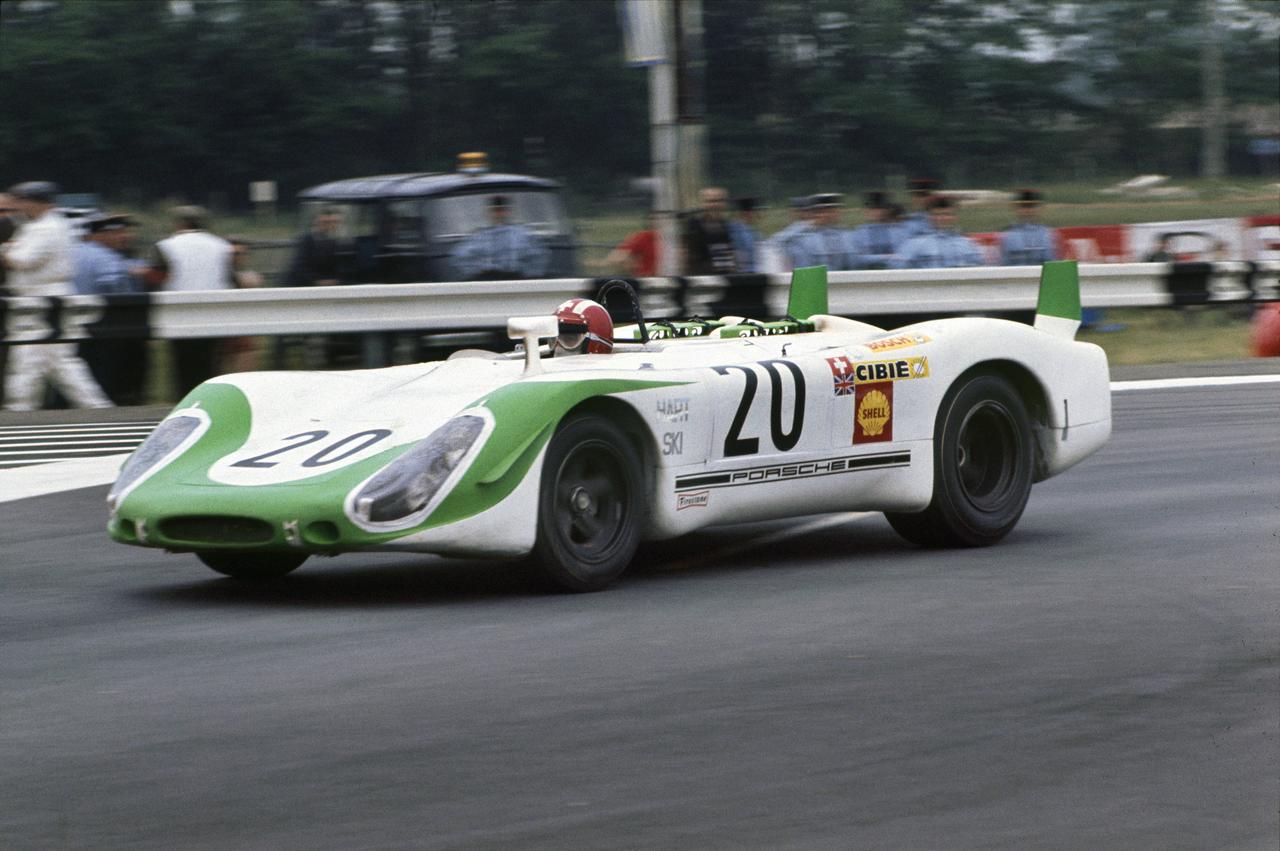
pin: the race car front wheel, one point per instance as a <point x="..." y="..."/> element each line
<point x="589" y="505"/>
<point x="251" y="566"/>
<point x="983" y="456"/>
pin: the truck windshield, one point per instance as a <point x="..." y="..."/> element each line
<point x="455" y="216"/>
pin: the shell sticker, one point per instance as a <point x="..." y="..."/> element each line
<point x="873" y="413"/>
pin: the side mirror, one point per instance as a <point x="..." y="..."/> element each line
<point x="532" y="329"/>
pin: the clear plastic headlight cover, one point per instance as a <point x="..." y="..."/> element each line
<point x="159" y="445"/>
<point x="405" y="488"/>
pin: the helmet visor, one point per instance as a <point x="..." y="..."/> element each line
<point x="572" y="335"/>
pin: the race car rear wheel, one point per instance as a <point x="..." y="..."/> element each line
<point x="589" y="505"/>
<point x="251" y="566"/>
<point x="983" y="455"/>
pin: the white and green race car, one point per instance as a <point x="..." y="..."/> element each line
<point x="942" y="425"/>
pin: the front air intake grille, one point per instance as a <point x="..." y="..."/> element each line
<point x="216" y="529"/>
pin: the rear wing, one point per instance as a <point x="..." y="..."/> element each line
<point x="1058" y="306"/>
<point x="808" y="294"/>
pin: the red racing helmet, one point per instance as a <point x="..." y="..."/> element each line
<point x="585" y="328"/>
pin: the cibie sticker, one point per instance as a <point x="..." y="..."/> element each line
<point x="846" y="373"/>
<point x="900" y="341"/>
<point x="873" y="413"/>
<point x="692" y="500"/>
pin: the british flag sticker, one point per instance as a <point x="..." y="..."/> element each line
<point x="842" y="380"/>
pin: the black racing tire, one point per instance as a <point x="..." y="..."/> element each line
<point x="590" y="506"/>
<point x="983" y="466"/>
<point x="251" y="566"/>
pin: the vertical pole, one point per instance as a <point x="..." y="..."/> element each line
<point x="664" y="147"/>
<point x="1213" y="130"/>
<point x="690" y="97"/>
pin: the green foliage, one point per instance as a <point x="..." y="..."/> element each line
<point x="147" y="99"/>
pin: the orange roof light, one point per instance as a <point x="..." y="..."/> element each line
<point x="473" y="162"/>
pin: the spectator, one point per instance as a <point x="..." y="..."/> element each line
<point x="104" y="266"/>
<point x="39" y="262"/>
<point x="743" y="234"/>
<point x="825" y="243"/>
<point x="102" y="263"/>
<point x="941" y="246"/>
<point x="922" y="190"/>
<point x="315" y="259"/>
<point x="240" y="354"/>
<point x="637" y="255"/>
<point x="7" y="228"/>
<point x="503" y="250"/>
<point x="708" y="248"/>
<point x="873" y="245"/>
<point x="1027" y="242"/>
<point x="192" y="259"/>
<point x="777" y="247"/>
<point x="1163" y="252"/>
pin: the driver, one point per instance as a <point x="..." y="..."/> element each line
<point x="585" y="329"/>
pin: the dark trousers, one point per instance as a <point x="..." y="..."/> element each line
<point x="119" y="367"/>
<point x="193" y="362"/>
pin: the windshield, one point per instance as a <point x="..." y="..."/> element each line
<point x="348" y="220"/>
<point x="455" y="216"/>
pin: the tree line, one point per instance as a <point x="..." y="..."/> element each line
<point x="149" y="99"/>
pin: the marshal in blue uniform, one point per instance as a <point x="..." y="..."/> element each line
<point x="825" y="243"/>
<point x="922" y="190"/>
<point x="941" y="247"/>
<point x="502" y="250"/>
<point x="1027" y="242"/>
<point x="873" y="245"/>
<point x="743" y="235"/>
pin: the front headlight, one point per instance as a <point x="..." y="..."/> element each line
<point x="406" y="486"/>
<point x="167" y="437"/>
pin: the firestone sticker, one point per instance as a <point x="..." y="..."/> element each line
<point x="692" y="500"/>
<point x="873" y="413"/>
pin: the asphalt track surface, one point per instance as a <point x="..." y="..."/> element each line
<point x="1108" y="677"/>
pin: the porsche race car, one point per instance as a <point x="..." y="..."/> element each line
<point x="577" y="449"/>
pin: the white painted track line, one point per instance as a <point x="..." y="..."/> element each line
<point x="58" y="476"/>
<point x="1203" y="381"/>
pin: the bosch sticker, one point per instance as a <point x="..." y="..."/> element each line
<point x="900" y="341"/>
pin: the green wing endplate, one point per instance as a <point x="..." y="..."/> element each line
<point x="808" y="292"/>
<point x="1058" y="306"/>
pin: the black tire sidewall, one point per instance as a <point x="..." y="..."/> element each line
<point x="967" y="523"/>
<point x="565" y="569"/>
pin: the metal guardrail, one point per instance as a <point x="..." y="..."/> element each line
<point x="486" y="306"/>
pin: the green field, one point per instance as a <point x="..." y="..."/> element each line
<point x="1167" y="335"/>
